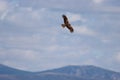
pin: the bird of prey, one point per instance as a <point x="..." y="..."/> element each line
<point x="66" y="23"/>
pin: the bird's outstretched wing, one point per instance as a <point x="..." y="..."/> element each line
<point x="66" y="23"/>
<point x="65" y="19"/>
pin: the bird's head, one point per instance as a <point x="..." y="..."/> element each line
<point x="63" y="15"/>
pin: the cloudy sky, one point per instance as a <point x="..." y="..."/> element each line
<point x="31" y="36"/>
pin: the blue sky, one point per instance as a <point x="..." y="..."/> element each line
<point x="31" y="36"/>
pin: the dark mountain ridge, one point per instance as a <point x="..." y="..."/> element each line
<point x="65" y="73"/>
<point x="91" y="72"/>
<point x="12" y="71"/>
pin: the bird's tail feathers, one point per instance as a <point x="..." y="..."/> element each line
<point x="63" y="25"/>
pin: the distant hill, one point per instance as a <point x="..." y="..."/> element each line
<point x="87" y="72"/>
<point x="11" y="71"/>
<point x="64" y="73"/>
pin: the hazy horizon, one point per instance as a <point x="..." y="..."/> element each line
<point x="59" y="68"/>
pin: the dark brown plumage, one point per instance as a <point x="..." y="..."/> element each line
<point x="67" y="24"/>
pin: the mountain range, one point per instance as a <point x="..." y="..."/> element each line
<point x="86" y="72"/>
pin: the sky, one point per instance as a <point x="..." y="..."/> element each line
<point x="32" y="39"/>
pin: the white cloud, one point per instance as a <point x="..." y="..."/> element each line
<point x="97" y="1"/>
<point x="27" y="17"/>
<point x="7" y="8"/>
<point x="84" y="30"/>
<point x="3" y="9"/>
<point x="18" y="54"/>
<point x="117" y="57"/>
<point x="111" y="9"/>
<point x="4" y="15"/>
<point x="75" y="17"/>
<point x="105" y="40"/>
<point x="3" y="5"/>
<point x="21" y="18"/>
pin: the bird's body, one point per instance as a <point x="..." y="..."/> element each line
<point x="66" y="23"/>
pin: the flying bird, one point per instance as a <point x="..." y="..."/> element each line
<point x="66" y="23"/>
